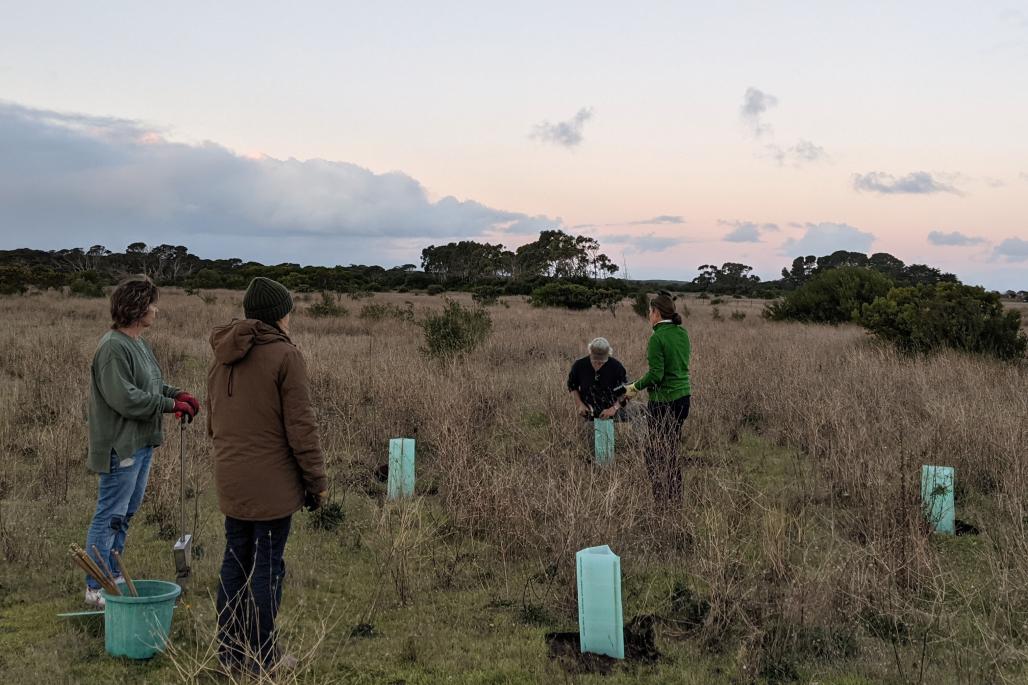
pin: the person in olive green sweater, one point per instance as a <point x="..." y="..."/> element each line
<point x="667" y="382"/>
<point x="127" y="399"/>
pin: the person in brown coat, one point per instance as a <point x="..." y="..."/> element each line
<point x="267" y="465"/>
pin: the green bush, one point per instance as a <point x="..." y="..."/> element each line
<point x="485" y="295"/>
<point x="87" y="284"/>
<point x="567" y="295"/>
<point x="834" y="296"/>
<point x="329" y="306"/>
<point x="455" y="331"/>
<point x="641" y="304"/>
<point x="435" y="289"/>
<point x="738" y="315"/>
<point x="14" y="280"/>
<point x="377" y="312"/>
<point x="928" y="317"/>
<point x="608" y="300"/>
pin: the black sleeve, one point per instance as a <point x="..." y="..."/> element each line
<point x="622" y="374"/>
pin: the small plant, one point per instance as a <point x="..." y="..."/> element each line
<point x="608" y="300"/>
<point x="378" y="312"/>
<point x="455" y="331"/>
<point x="703" y="296"/>
<point x="435" y="289"/>
<point x="485" y="295"/>
<point x="328" y="517"/>
<point x="737" y="315"/>
<point x="716" y="301"/>
<point x="328" y="307"/>
<point x="359" y="294"/>
<point x="641" y="304"/>
<point x="715" y="314"/>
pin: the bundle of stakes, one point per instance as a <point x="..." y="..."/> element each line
<point x="101" y="572"/>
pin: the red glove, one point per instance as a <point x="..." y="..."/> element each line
<point x="190" y="400"/>
<point x="184" y="409"/>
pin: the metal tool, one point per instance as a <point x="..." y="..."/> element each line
<point x="183" y="549"/>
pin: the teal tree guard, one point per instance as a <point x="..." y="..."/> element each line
<point x="401" y="468"/>
<point x="937" y="496"/>
<point x="601" y="627"/>
<point x="603" y="430"/>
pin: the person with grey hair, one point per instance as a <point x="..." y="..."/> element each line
<point x="594" y="380"/>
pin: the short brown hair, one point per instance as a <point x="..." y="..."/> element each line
<point x="131" y="299"/>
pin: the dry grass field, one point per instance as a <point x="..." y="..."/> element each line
<point x="800" y="552"/>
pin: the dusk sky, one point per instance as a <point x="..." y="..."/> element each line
<point x="676" y="133"/>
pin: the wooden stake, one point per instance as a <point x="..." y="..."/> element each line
<point x="125" y="573"/>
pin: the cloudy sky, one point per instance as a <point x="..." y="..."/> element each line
<point x="677" y="133"/>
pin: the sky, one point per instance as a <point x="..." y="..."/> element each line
<point x="677" y="133"/>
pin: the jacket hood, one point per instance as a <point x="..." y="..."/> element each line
<point x="232" y="342"/>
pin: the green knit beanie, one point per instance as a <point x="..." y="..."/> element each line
<point x="266" y="300"/>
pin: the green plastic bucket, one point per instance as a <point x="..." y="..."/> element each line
<point x="138" y="627"/>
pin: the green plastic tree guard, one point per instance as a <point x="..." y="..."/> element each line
<point x="401" y="468"/>
<point x="937" y="496"/>
<point x="603" y="429"/>
<point x="601" y="626"/>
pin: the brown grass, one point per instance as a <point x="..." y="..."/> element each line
<point x="801" y="517"/>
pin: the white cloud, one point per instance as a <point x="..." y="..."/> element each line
<point x="564" y="133"/>
<point x="954" y="238"/>
<point x="648" y="242"/>
<point x="755" y="103"/>
<point x="914" y="183"/>
<point x="1013" y="250"/>
<point x="746" y="231"/>
<point x="68" y="179"/>
<point x="825" y="238"/>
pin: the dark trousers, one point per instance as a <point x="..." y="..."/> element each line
<point x="250" y="591"/>
<point x="664" y="422"/>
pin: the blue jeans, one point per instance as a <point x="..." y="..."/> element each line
<point x="120" y="494"/>
<point x="250" y="591"/>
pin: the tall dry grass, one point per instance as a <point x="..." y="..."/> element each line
<point x="815" y="528"/>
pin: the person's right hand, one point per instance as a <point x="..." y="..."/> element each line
<point x="313" y="501"/>
<point x="584" y="411"/>
<point x="184" y="409"/>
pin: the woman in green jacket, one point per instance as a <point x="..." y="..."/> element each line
<point x="128" y="397"/>
<point x="667" y="382"/>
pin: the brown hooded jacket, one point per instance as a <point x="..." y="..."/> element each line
<point x="266" y="449"/>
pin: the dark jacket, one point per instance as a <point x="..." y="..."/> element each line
<point x="266" y="449"/>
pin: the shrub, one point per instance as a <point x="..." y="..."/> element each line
<point x="607" y="299"/>
<point x="436" y="289"/>
<point x="485" y="295"/>
<point x="455" y="331"/>
<point x="14" y="280"/>
<point x="716" y="301"/>
<point x="359" y="294"/>
<point x="928" y="317"/>
<point x="834" y="296"/>
<point x="566" y="295"/>
<point x="738" y="315"/>
<point x="715" y="314"/>
<point x="329" y="306"/>
<point x="87" y="284"/>
<point x="641" y="304"/>
<point x="377" y="312"/>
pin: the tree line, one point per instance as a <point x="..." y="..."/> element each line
<point x="555" y="256"/>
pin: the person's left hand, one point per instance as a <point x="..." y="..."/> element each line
<point x="190" y="400"/>
<point x="609" y="412"/>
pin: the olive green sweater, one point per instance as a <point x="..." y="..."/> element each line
<point x="127" y="400"/>
<point x="668" y="352"/>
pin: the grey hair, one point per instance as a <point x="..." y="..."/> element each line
<point x="600" y="347"/>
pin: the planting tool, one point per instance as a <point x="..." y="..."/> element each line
<point x="183" y="549"/>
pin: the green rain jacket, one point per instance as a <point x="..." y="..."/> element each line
<point x="667" y="353"/>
